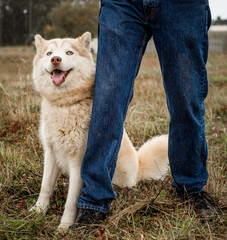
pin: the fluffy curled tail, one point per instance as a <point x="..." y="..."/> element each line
<point x="150" y="162"/>
<point x="153" y="159"/>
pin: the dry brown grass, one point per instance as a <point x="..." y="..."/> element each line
<point x="150" y="210"/>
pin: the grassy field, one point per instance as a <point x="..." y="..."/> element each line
<point x="150" y="210"/>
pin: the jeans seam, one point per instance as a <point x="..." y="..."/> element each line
<point x="131" y="90"/>
<point x="202" y="122"/>
<point x="202" y="97"/>
<point x="203" y="79"/>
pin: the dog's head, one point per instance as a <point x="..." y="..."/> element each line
<point x="62" y="66"/>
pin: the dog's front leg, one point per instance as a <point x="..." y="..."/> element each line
<point x="50" y="175"/>
<point x="75" y="186"/>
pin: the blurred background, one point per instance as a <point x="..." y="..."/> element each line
<point x="21" y="20"/>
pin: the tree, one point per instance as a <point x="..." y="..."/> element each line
<point x="41" y="10"/>
<point x="73" y="18"/>
<point x="50" y="18"/>
<point x="220" y="21"/>
<point x="15" y="19"/>
<point x="13" y="24"/>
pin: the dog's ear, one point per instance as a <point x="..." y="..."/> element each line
<point x="85" y="39"/>
<point x="39" y="41"/>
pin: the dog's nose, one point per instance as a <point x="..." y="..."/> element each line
<point x="55" y="60"/>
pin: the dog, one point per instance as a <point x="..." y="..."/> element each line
<point x="63" y="74"/>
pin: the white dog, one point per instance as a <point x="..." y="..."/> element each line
<point x="63" y="74"/>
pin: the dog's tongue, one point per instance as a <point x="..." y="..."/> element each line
<point x="58" y="77"/>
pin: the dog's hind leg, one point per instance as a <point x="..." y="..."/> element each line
<point x="75" y="186"/>
<point x="50" y="175"/>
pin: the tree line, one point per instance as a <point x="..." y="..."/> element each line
<point x="20" y="20"/>
<point x="219" y="21"/>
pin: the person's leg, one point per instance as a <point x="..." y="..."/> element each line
<point x="180" y="34"/>
<point x="122" y="40"/>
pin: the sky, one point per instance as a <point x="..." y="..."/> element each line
<point x="218" y="8"/>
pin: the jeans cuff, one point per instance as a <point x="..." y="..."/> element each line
<point x="92" y="207"/>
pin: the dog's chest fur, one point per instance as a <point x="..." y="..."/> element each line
<point x="65" y="129"/>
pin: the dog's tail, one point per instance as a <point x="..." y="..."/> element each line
<point x="153" y="159"/>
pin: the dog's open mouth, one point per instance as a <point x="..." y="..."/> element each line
<point x="58" y="76"/>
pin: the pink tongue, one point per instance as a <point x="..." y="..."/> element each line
<point x="58" y="77"/>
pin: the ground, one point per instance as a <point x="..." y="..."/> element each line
<point x="151" y="210"/>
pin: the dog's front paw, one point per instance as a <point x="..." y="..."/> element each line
<point x="39" y="209"/>
<point x="63" y="227"/>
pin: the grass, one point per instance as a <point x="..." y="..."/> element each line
<point x="151" y="210"/>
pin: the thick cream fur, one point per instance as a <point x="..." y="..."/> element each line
<point x="65" y="116"/>
<point x="153" y="159"/>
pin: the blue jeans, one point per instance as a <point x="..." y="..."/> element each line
<point x="179" y="29"/>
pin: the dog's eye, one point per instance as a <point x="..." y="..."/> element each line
<point x="49" y="53"/>
<point x="69" y="53"/>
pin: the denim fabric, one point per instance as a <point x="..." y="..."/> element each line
<point x="179" y="29"/>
